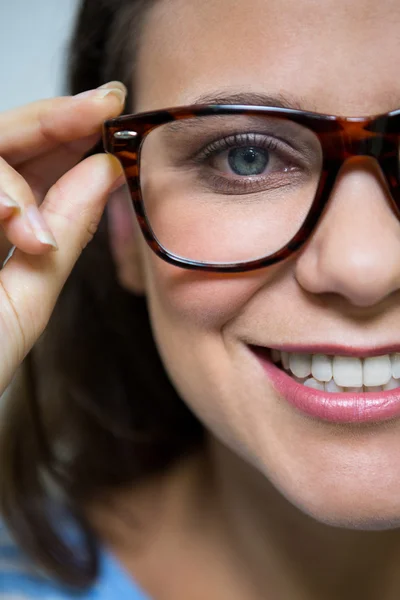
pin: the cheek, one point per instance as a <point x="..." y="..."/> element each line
<point x="193" y="317"/>
<point x="324" y="471"/>
<point x="189" y="301"/>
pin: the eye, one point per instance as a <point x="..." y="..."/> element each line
<point x="246" y="161"/>
<point x="247" y="155"/>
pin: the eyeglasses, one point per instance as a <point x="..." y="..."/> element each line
<point x="234" y="188"/>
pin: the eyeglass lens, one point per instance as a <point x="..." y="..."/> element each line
<point x="228" y="188"/>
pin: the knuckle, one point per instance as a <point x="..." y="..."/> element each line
<point x="45" y="120"/>
<point x="91" y="230"/>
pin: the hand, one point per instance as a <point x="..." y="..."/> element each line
<point x="41" y="146"/>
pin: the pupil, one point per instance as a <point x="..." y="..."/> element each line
<point x="248" y="161"/>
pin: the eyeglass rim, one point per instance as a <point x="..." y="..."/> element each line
<point x="141" y="124"/>
<point x="186" y="111"/>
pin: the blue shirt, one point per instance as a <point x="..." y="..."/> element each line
<point x="20" y="580"/>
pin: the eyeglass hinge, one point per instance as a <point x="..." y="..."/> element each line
<point x="125" y="135"/>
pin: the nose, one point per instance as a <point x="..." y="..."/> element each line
<point x="355" y="249"/>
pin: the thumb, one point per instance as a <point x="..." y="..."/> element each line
<point x="31" y="284"/>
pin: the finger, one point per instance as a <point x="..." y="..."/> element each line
<point x="42" y="126"/>
<point x="43" y="171"/>
<point x="30" y="285"/>
<point x="20" y="218"/>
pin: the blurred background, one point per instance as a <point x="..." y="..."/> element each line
<point x="33" y="38"/>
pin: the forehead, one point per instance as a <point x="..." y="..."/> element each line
<point x="335" y="57"/>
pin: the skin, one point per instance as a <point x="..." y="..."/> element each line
<point x="309" y="508"/>
<point x="40" y="148"/>
<point x="277" y="506"/>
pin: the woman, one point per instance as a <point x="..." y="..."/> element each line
<point x="263" y="461"/>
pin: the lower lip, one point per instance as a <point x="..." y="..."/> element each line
<point x="347" y="407"/>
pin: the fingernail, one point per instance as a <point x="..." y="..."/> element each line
<point x="40" y="227"/>
<point x="8" y="202"/>
<point x="112" y="87"/>
<point x="120" y="94"/>
<point x="113" y="84"/>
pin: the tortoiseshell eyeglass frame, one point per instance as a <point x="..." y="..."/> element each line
<point x="341" y="138"/>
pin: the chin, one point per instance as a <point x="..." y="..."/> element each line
<point x="348" y="510"/>
<point x="355" y="490"/>
<point x="353" y="520"/>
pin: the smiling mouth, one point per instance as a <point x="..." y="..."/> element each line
<point x="338" y="374"/>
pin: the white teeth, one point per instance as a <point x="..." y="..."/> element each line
<point x="285" y="360"/>
<point x="342" y="373"/>
<point x="321" y="367"/>
<point x="300" y="364"/>
<point x="312" y="383"/>
<point x="347" y="371"/>
<point x="377" y="370"/>
<point x="331" y="386"/>
<point x="395" y="360"/>
<point x="391" y="384"/>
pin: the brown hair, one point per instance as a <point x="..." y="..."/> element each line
<point x="100" y="411"/>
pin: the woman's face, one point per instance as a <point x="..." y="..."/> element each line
<point x="338" y="295"/>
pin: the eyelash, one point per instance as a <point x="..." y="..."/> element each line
<point x="238" y="140"/>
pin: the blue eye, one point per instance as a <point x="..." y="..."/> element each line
<point x="248" y="161"/>
<point x="245" y="163"/>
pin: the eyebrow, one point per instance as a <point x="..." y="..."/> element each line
<point x="251" y="98"/>
<point x="239" y="97"/>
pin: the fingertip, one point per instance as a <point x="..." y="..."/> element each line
<point x="115" y="165"/>
<point x="110" y="168"/>
<point x="111" y="95"/>
<point x="114" y="84"/>
<point x="8" y="206"/>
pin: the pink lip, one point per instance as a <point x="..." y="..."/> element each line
<point x="337" y="408"/>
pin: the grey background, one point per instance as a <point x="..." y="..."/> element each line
<point x="33" y="38"/>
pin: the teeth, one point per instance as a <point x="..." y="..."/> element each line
<point x="285" y="360"/>
<point x="313" y="383"/>
<point x="331" y="386"/>
<point x="300" y="364"/>
<point x="391" y="384"/>
<point x="321" y="367"/>
<point x="395" y="360"/>
<point x="342" y="373"/>
<point x="347" y="371"/>
<point x="377" y="370"/>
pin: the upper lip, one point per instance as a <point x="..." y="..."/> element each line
<point x="334" y="349"/>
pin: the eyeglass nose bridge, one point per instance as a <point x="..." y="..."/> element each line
<point x="360" y="137"/>
<point x="373" y="140"/>
<point x="377" y="145"/>
<point x="352" y="143"/>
